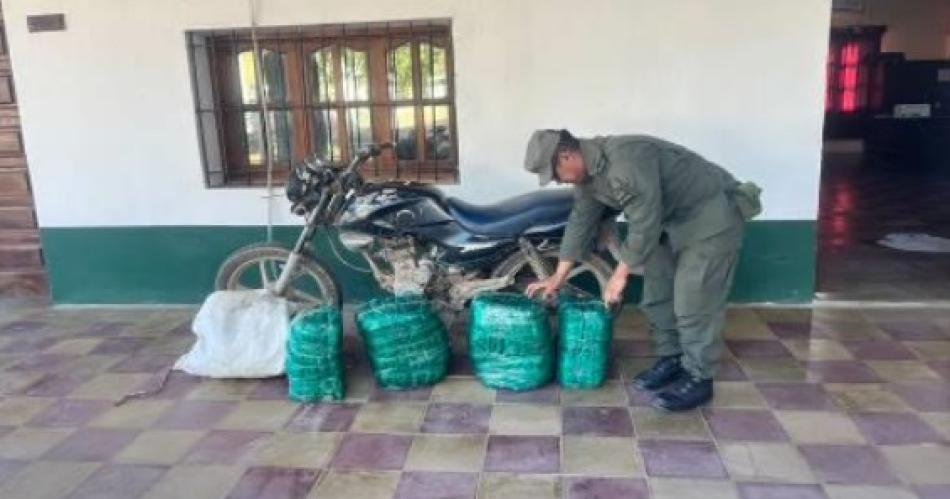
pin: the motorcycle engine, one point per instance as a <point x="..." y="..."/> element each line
<point x="411" y="275"/>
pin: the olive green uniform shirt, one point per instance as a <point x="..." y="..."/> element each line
<point x="659" y="186"/>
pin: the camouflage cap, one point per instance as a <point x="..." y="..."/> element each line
<point x="541" y="148"/>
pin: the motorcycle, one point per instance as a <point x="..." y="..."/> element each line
<point x="413" y="239"/>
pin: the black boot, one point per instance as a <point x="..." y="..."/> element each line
<point x="687" y="393"/>
<point x="664" y="371"/>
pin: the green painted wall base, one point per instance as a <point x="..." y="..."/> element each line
<point x="177" y="265"/>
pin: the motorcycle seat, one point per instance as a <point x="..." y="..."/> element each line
<point x="514" y="216"/>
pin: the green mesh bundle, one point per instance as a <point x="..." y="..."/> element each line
<point x="406" y="342"/>
<point x="510" y="341"/>
<point x="313" y="365"/>
<point x="584" y="332"/>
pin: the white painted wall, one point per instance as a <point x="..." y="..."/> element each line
<point x="919" y="28"/>
<point x="110" y="128"/>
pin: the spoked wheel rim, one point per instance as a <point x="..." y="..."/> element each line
<point x="584" y="280"/>
<point x="305" y="287"/>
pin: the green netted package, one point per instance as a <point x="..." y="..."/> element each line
<point x="510" y="341"/>
<point x="584" y="333"/>
<point x="313" y="365"/>
<point x="406" y="341"/>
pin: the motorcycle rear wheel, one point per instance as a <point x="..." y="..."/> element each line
<point x="589" y="276"/>
<point x="258" y="265"/>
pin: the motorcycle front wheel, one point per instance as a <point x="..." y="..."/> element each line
<point x="259" y="265"/>
<point x="587" y="278"/>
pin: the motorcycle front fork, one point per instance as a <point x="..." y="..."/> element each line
<point x="293" y="260"/>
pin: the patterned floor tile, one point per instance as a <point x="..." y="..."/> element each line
<point x="879" y="350"/>
<point x="457" y="418"/>
<point x="797" y="396"/>
<point x="848" y="464"/>
<point x="508" y="486"/>
<point x="744" y="425"/>
<point x="10" y="467"/>
<point x="526" y="420"/>
<point x="223" y="389"/>
<point x="34" y="481"/>
<point x="737" y="395"/>
<point x="913" y="330"/>
<point x="597" y="421"/>
<point x="780" y="491"/>
<point x="773" y="462"/>
<point x="805" y="349"/>
<point x="679" y="488"/>
<point x="929" y="396"/>
<point x="323" y="417"/>
<point x="225" y="447"/>
<point x="371" y="452"/>
<point x="523" y="454"/>
<point x="549" y="394"/>
<point x="350" y="485"/>
<point x="654" y="424"/>
<point x="932" y="491"/>
<point x="194" y="415"/>
<point x="897" y="371"/>
<point x="920" y="464"/>
<point x="930" y="350"/>
<point x="610" y="393"/>
<point x="132" y="414"/>
<point x="595" y="488"/>
<point x="841" y="371"/>
<point x="389" y="417"/>
<point x="18" y="410"/>
<point x="31" y="443"/>
<point x="462" y="390"/>
<point x="902" y="428"/>
<point x="939" y="421"/>
<point x="119" y="481"/>
<point x="159" y="446"/>
<point x="752" y="349"/>
<point x="109" y="386"/>
<point x="431" y="485"/>
<point x="600" y="456"/>
<point x="867" y="492"/>
<point x="820" y="427"/>
<point x="274" y="483"/>
<point x="92" y="444"/>
<point x="195" y="481"/>
<point x="415" y="395"/>
<point x="309" y="450"/>
<point x="773" y="369"/>
<point x="865" y="398"/>
<point x="459" y="453"/>
<point x="69" y="413"/>
<point x="670" y="458"/>
<point x="270" y="389"/>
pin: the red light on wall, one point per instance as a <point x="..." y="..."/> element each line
<point x="850" y="57"/>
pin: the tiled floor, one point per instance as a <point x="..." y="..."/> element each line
<point x="862" y="201"/>
<point x="821" y="403"/>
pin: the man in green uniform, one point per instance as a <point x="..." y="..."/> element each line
<point x="685" y="219"/>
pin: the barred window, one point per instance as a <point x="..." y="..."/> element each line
<point x="330" y="91"/>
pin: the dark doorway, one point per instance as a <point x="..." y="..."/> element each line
<point x="886" y="163"/>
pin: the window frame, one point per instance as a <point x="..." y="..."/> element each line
<point x="213" y="61"/>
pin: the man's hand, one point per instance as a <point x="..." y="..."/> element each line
<point x="550" y="285"/>
<point x="613" y="291"/>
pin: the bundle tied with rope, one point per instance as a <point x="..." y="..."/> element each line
<point x="314" y="368"/>
<point x="510" y="341"/>
<point x="585" y="328"/>
<point x="405" y="340"/>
